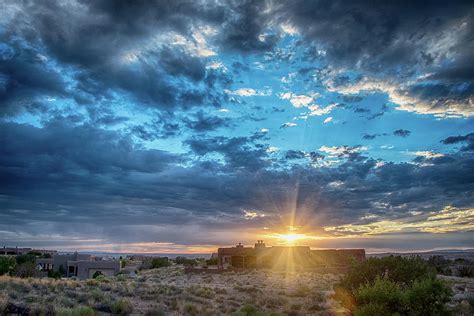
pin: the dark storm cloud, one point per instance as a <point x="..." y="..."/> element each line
<point x="165" y="126"/>
<point x="201" y="122"/>
<point x="239" y="152"/>
<point x="402" y="132"/>
<point x="249" y="21"/>
<point x="77" y="169"/>
<point x="467" y="140"/>
<point x="294" y="154"/>
<point x="179" y="63"/>
<point x="24" y="76"/>
<point x="393" y="41"/>
<point x="65" y="172"/>
<point x="109" y="50"/>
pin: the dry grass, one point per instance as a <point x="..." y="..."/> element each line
<point x="168" y="291"/>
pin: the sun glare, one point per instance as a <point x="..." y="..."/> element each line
<point x="291" y="239"/>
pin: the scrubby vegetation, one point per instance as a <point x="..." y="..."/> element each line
<point x="393" y="286"/>
<point x="169" y="291"/>
<point x="460" y="267"/>
<point x="22" y="265"/>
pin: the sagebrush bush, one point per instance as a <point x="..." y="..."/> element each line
<point x="402" y="270"/>
<point x="382" y="292"/>
<point x="78" y="311"/>
<point x="121" y="307"/>
<point x="427" y="296"/>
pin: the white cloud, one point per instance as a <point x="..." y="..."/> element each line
<point x="398" y="93"/>
<point x="329" y="119"/>
<point x="342" y="150"/>
<point x="197" y="45"/>
<point x="316" y="110"/>
<point x="428" y="154"/>
<point x="272" y="149"/>
<point x="251" y="214"/>
<point x="289" y="29"/>
<point x="216" y="65"/>
<point x="449" y="219"/>
<point x="288" y="124"/>
<point x="249" y="92"/>
<point x="298" y="101"/>
<point x="289" y="78"/>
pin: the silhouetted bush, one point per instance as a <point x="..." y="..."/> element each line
<point x="96" y="274"/>
<point x="466" y="271"/>
<point x="212" y="261"/>
<point x="160" y="262"/>
<point x="54" y="274"/>
<point x="186" y="261"/>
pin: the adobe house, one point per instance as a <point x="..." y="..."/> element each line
<point x="78" y="265"/>
<point x="285" y="257"/>
<point x="86" y="269"/>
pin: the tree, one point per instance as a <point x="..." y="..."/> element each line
<point x="7" y="264"/>
<point x="212" y="262"/>
<point x="160" y="262"/>
<point x="427" y="297"/>
<point x="26" y="270"/>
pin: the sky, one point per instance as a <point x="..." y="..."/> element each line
<point x="181" y="126"/>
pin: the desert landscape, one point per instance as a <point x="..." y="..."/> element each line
<point x="169" y="290"/>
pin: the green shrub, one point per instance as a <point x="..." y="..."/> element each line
<point x="54" y="274"/>
<point x="26" y="270"/>
<point x="155" y="312"/>
<point x="380" y="293"/>
<point x="212" y="262"/>
<point x="424" y="297"/>
<point x="427" y="297"/>
<point x="7" y="264"/>
<point x="393" y="285"/>
<point x="121" y="307"/>
<point x="372" y="309"/>
<point x="78" y="311"/>
<point x="160" y="263"/>
<point x="26" y="258"/>
<point x="249" y="310"/>
<point x="191" y="309"/>
<point x="466" y="271"/>
<point x="96" y="274"/>
<point x="401" y="270"/>
<point x="186" y="261"/>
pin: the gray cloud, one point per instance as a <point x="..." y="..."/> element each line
<point x="467" y="139"/>
<point x="402" y="132"/>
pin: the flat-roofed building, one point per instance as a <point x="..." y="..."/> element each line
<point x="285" y="257"/>
<point x="78" y="265"/>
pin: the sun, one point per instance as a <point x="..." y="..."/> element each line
<point x="291" y="239"/>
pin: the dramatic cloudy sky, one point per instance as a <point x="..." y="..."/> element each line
<point x="178" y="126"/>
